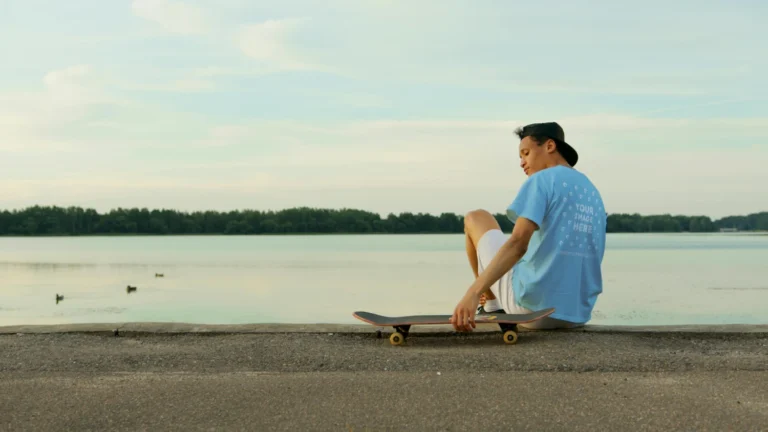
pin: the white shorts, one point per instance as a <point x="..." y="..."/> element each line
<point x="487" y="247"/>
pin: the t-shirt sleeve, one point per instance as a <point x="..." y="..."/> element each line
<point x="531" y="202"/>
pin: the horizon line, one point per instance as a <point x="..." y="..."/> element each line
<point x="245" y="209"/>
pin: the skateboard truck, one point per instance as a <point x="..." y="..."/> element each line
<point x="510" y="332"/>
<point x="399" y="335"/>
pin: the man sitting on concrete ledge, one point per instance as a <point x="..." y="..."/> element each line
<point x="553" y="257"/>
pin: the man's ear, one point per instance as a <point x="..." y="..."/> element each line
<point x="551" y="146"/>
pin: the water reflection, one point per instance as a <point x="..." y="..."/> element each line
<point x="649" y="279"/>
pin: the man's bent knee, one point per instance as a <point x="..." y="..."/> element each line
<point x="479" y="222"/>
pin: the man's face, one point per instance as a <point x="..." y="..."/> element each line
<point x="534" y="157"/>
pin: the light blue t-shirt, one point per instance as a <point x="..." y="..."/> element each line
<point x="561" y="268"/>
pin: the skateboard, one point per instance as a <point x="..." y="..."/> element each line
<point x="402" y="324"/>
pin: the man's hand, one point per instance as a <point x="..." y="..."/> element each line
<point x="463" y="318"/>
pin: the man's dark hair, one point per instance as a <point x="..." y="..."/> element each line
<point x="538" y="138"/>
<point x="541" y="132"/>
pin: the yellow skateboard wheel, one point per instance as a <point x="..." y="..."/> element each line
<point x="510" y="337"/>
<point x="396" y="338"/>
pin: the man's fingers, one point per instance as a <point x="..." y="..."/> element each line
<point x="466" y="320"/>
<point x="463" y="320"/>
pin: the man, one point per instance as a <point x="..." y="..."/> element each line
<point x="553" y="257"/>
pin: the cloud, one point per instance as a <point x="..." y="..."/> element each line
<point x="657" y="136"/>
<point x="181" y="85"/>
<point x="66" y="77"/>
<point x="77" y="108"/>
<point x="73" y="86"/>
<point x="705" y="104"/>
<point x="483" y="154"/>
<point x="172" y="16"/>
<point x="429" y="165"/>
<point x="446" y="134"/>
<point x="217" y="71"/>
<point x="438" y="124"/>
<point x="33" y="120"/>
<point x="271" y="43"/>
<point x="80" y="189"/>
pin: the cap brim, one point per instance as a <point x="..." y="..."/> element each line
<point x="569" y="153"/>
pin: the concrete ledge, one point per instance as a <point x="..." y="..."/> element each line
<point x="691" y="328"/>
<point x="181" y="328"/>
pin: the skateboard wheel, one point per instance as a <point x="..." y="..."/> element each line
<point x="510" y="337"/>
<point x="397" y="338"/>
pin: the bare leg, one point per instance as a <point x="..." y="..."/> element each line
<point x="472" y="255"/>
<point x="477" y="223"/>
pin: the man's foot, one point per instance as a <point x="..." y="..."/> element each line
<point x="494" y="306"/>
<point x="481" y="311"/>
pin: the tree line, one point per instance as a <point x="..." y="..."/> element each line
<point x="49" y="221"/>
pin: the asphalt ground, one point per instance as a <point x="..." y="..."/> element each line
<point x="349" y="379"/>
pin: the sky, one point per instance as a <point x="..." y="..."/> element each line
<point x="386" y="106"/>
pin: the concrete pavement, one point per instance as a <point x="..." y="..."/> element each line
<point x="351" y="380"/>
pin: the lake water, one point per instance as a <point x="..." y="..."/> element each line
<point x="648" y="278"/>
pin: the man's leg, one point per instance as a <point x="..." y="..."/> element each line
<point x="476" y="224"/>
<point x="471" y="253"/>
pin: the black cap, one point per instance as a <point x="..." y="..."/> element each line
<point x="555" y="132"/>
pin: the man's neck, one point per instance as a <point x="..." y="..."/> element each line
<point x="560" y="162"/>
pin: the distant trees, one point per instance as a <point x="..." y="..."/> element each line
<point x="660" y="223"/>
<point x="752" y="222"/>
<point x="37" y="220"/>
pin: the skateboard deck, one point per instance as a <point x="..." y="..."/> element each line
<point x="402" y="324"/>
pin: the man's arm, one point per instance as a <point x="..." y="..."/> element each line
<point x="507" y="256"/>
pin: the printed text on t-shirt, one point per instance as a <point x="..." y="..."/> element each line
<point x="583" y="217"/>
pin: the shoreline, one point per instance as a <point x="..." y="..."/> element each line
<point x="312" y="234"/>
<point x="166" y="328"/>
